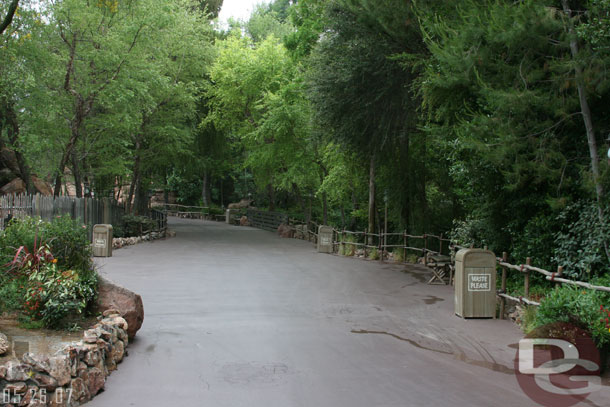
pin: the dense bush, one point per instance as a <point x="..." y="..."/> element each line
<point x="54" y="295"/>
<point x="586" y="309"/>
<point x="136" y="225"/>
<point x="580" y="245"/>
<point x="67" y="239"/>
<point x="69" y="243"/>
<point x="46" y="271"/>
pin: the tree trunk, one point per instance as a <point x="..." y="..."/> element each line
<point x="141" y="198"/>
<point x="119" y="181"/>
<point x="271" y="193"/>
<point x="300" y="201"/>
<point x="355" y="206"/>
<point x="8" y="19"/>
<point x="324" y="208"/>
<point x="372" y="211"/>
<point x="342" y="216"/>
<point x="74" y="134"/>
<point x="166" y="190"/>
<point x="13" y="131"/>
<point x="77" y="177"/>
<point x="205" y="193"/>
<point x="135" y="178"/>
<point x="587" y="118"/>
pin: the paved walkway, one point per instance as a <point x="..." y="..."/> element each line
<point x="240" y="317"/>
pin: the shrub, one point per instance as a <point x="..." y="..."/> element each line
<point x="12" y="292"/>
<point x="49" y="275"/>
<point x="135" y="225"/>
<point x="582" y="308"/>
<point x="19" y="232"/>
<point x="398" y="255"/>
<point x="348" y="249"/>
<point x="67" y="239"/>
<point x="69" y="242"/>
<point x="53" y="295"/>
<point x="580" y="246"/>
<point x="373" y="254"/>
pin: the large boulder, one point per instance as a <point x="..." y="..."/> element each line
<point x="243" y="204"/>
<point x="244" y="221"/>
<point x="285" y="231"/>
<point x="16" y="186"/>
<point x="4" y="345"/>
<point x="42" y="187"/>
<point x="128" y="303"/>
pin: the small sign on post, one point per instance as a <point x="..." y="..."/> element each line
<point x="325" y="239"/>
<point x="102" y="240"/>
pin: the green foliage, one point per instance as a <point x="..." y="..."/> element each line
<point x="54" y="295"/>
<point x="373" y="254"/>
<point x="582" y="308"/>
<point x="579" y="246"/>
<point x="136" y="225"/>
<point x="65" y="238"/>
<point x="528" y="319"/>
<point x="347" y="249"/>
<point x="398" y="254"/>
<point x="12" y="292"/>
<point x="69" y="242"/>
<point x="46" y="287"/>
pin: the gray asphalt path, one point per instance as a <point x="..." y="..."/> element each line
<point x="240" y="317"/>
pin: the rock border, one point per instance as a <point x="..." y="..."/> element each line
<point x="71" y="377"/>
<point x="119" y="242"/>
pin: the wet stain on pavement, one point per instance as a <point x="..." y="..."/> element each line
<point x="400" y="338"/>
<point x="496" y="367"/>
<point x="253" y="373"/>
<point x="419" y="276"/>
<point x="431" y="299"/>
<point x="151" y="348"/>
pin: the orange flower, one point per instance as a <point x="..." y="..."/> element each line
<point x="54" y="261"/>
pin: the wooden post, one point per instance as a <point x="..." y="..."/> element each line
<point x="343" y="242"/>
<point x="404" y="249"/>
<point x="385" y="235"/>
<point x="440" y="245"/>
<point x="526" y="287"/>
<point x="425" y="249"/>
<point x="365" y="242"/>
<point x="381" y="244"/>
<point x="503" y="285"/>
<point x="559" y="274"/>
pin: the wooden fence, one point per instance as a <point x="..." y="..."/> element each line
<point x="90" y="211"/>
<point x="425" y="245"/>
<point x="184" y="211"/>
<point x="266" y="220"/>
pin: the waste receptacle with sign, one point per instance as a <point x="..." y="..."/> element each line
<point x="325" y="239"/>
<point x="102" y="240"/>
<point x="475" y="283"/>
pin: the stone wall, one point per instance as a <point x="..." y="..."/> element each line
<point x="73" y="375"/>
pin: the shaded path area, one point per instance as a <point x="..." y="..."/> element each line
<point x="240" y="317"/>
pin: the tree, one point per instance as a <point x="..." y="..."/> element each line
<point x="358" y="90"/>
<point x="8" y="18"/>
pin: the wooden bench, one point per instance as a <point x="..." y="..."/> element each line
<point x="442" y="269"/>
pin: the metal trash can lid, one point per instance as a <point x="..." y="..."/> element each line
<point x="463" y="253"/>
<point x="102" y="228"/>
